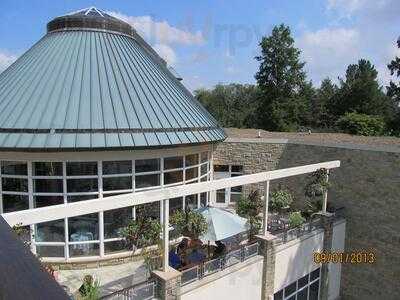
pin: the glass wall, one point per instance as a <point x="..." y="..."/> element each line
<point x="43" y="183"/>
<point x="306" y="288"/>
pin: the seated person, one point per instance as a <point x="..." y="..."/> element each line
<point x="196" y="256"/>
<point x="182" y="247"/>
<point x="220" y="250"/>
<point x="174" y="259"/>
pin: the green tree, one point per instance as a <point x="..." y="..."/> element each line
<point x="233" y="105"/>
<point x="360" y="92"/>
<point x="321" y="117"/>
<point x="393" y="91"/>
<point x="189" y="223"/>
<point x="282" y="80"/>
<point x="250" y="208"/>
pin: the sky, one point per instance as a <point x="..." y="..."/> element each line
<point x="215" y="41"/>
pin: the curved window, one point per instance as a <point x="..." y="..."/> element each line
<point x="44" y="183"/>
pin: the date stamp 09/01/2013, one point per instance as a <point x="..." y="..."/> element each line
<point x="357" y="257"/>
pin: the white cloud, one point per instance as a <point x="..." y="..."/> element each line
<point x="160" y="31"/>
<point x="329" y="51"/>
<point x="6" y="59"/>
<point x="167" y="53"/>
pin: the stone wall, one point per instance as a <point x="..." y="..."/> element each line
<point x="367" y="184"/>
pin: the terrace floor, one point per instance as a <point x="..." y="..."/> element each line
<point x="112" y="278"/>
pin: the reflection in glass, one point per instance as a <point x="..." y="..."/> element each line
<point x="191" y="160"/>
<point x="82" y="185"/>
<point x="191" y="173"/>
<point x="144" y="181"/>
<point x="237" y="169"/>
<point x="149" y="210"/>
<point x="50" y="231"/>
<point x="221" y="168"/>
<point x="78" y="198"/>
<point x="83" y="228"/>
<point x="191" y="202"/>
<point x="220" y="196"/>
<point x="203" y="199"/>
<point x="173" y="177"/>
<point x="42" y="201"/>
<point x="47" y="169"/>
<point x="14" y="184"/>
<point x="314" y="290"/>
<point x="290" y="289"/>
<point x="15" y="202"/>
<point x="50" y="251"/>
<point x="115" y="220"/>
<point x="79" y="250"/>
<point x="14" y="168"/>
<point x="117" y="183"/>
<point x="175" y="162"/>
<point x="81" y="168"/>
<point x="115" y="247"/>
<point x="203" y="169"/>
<point x="175" y="204"/>
<point x="147" y="165"/>
<point x="204" y="157"/>
<point x="48" y="186"/>
<point x="302" y="295"/>
<point x="117" y="167"/>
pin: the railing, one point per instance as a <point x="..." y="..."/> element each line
<point x="141" y="291"/>
<point x="215" y="265"/>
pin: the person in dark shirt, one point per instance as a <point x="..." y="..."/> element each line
<point x="174" y="259"/>
<point x="220" y="250"/>
<point x="196" y="256"/>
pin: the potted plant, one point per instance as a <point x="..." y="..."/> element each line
<point x="250" y="208"/>
<point x="314" y="191"/>
<point x="296" y="220"/>
<point x="90" y="289"/>
<point x="189" y="223"/>
<point x="280" y="201"/>
<point x="144" y="233"/>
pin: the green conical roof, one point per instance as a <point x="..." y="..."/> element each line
<point x="92" y="83"/>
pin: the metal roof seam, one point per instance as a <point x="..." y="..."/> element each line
<point x="21" y="102"/>
<point x="160" y="97"/>
<point x="117" y="85"/>
<point x="16" y="88"/>
<point x="151" y="93"/>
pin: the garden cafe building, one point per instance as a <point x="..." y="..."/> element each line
<point x="91" y="111"/>
<point x="96" y="130"/>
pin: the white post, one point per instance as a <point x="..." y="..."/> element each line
<point x="265" y="214"/>
<point x="325" y="200"/>
<point x="165" y="234"/>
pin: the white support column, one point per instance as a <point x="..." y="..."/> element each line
<point x="325" y="200"/>
<point x="66" y="231"/>
<point x="165" y="234"/>
<point x="265" y="212"/>
<point x="101" y="214"/>
<point x="31" y="206"/>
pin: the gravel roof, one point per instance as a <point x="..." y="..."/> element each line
<point x="323" y="138"/>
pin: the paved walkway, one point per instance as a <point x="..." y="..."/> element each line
<point x="112" y="278"/>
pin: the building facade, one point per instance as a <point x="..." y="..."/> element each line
<point x="91" y="111"/>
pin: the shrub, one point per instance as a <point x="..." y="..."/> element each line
<point x="142" y="232"/>
<point x="250" y="208"/>
<point x="296" y="219"/>
<point x="361" y="124"/>
<point x="280" y="199"/>
<point x="189" y="223"/>
<point x="90" y="289"/>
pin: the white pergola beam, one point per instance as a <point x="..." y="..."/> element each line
<point x="56" y="212"/>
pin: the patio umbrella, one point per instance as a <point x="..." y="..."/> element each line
<point x="222" y="224"/>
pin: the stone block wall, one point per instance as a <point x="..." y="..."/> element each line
<point x="367" y="184"/>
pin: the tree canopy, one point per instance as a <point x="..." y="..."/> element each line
<point x="284" y="100"/>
